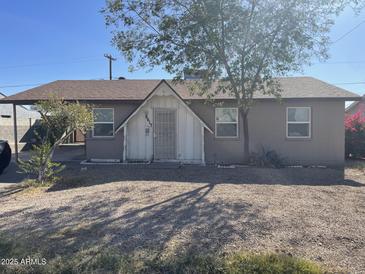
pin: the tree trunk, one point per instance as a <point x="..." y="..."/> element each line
<point x="246" y="136"/>
<point x="41" y="173"/>
<point x="40" y="176"/>
<point x="57" y="143"/>
<point x="48" y="157"/>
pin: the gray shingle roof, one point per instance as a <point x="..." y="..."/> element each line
<point x="292" y="87"/>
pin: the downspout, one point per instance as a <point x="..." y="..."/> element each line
<point x="125" y="144"/>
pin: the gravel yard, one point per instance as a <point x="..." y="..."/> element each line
<point x="311" y="213"/>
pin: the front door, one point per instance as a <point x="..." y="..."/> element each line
<point x="164" y="134"/>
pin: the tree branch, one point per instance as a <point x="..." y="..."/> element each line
<point x="263" y="59"/>
<point x="143" y="19"/>
<point x="244" y="51"/>
<point x="154" y="29"/>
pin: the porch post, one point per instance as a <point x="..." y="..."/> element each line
<point x="125" y="144"/>
<point x="203" y="149"/>
<point x="15" y="133"/>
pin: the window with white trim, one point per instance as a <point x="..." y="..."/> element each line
<point x="298" y="122"/>
<point x="226" y="122"/>
<point x="103" y="122"/>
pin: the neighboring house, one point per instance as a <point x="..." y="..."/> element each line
<point x="157" y="120"/>
<point x="25" y="121"/>
<point x="357" y="106"/>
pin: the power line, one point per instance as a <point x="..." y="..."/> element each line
<point x="347" y="33"/>
<point x="79" y="60"/>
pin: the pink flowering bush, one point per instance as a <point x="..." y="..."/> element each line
<point x="355" y="135"/>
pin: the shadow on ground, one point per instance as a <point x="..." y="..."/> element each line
<point x="186" y="221"/>
<point x="77" y="176"/>
<point x="139" y="215"/>
<point x="11" y="175"/>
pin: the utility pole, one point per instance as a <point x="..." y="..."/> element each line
<point x="111" y="59"/>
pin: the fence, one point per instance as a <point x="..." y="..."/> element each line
<point x="7" y="130"/>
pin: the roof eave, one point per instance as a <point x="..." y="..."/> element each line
<point x="32" y="102"/>
<point x="9" y="100"/>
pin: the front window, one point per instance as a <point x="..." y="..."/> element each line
<point x="226" y="122"/>
<point x="298" y="122"/>
<point x="103" y="122"/>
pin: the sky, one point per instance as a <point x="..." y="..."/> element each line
<point x="43" y="40"/>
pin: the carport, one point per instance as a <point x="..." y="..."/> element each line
<point x="73" y="150"/>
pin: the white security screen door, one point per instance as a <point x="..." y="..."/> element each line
<point x="164" y="134"/>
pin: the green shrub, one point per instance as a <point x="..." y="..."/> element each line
<point x="41" y="165"/>
<point x="267" y="158"/>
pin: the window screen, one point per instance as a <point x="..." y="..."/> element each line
<point x="226" y="122"/>
<point x="103" y="122"/>
<point x="298" y="122"/>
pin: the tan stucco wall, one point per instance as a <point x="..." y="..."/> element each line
<point x="267" y="126"/>
<point x="110" y="148"/>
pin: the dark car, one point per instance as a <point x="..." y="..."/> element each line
<point x="5" y="155"/>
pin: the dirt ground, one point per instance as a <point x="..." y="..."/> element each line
<point x="311" y="213"/>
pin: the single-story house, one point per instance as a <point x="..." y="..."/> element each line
<point x="158" y="120"/>
<point x="25" y="118"/>
<point x="357" y="106"/>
